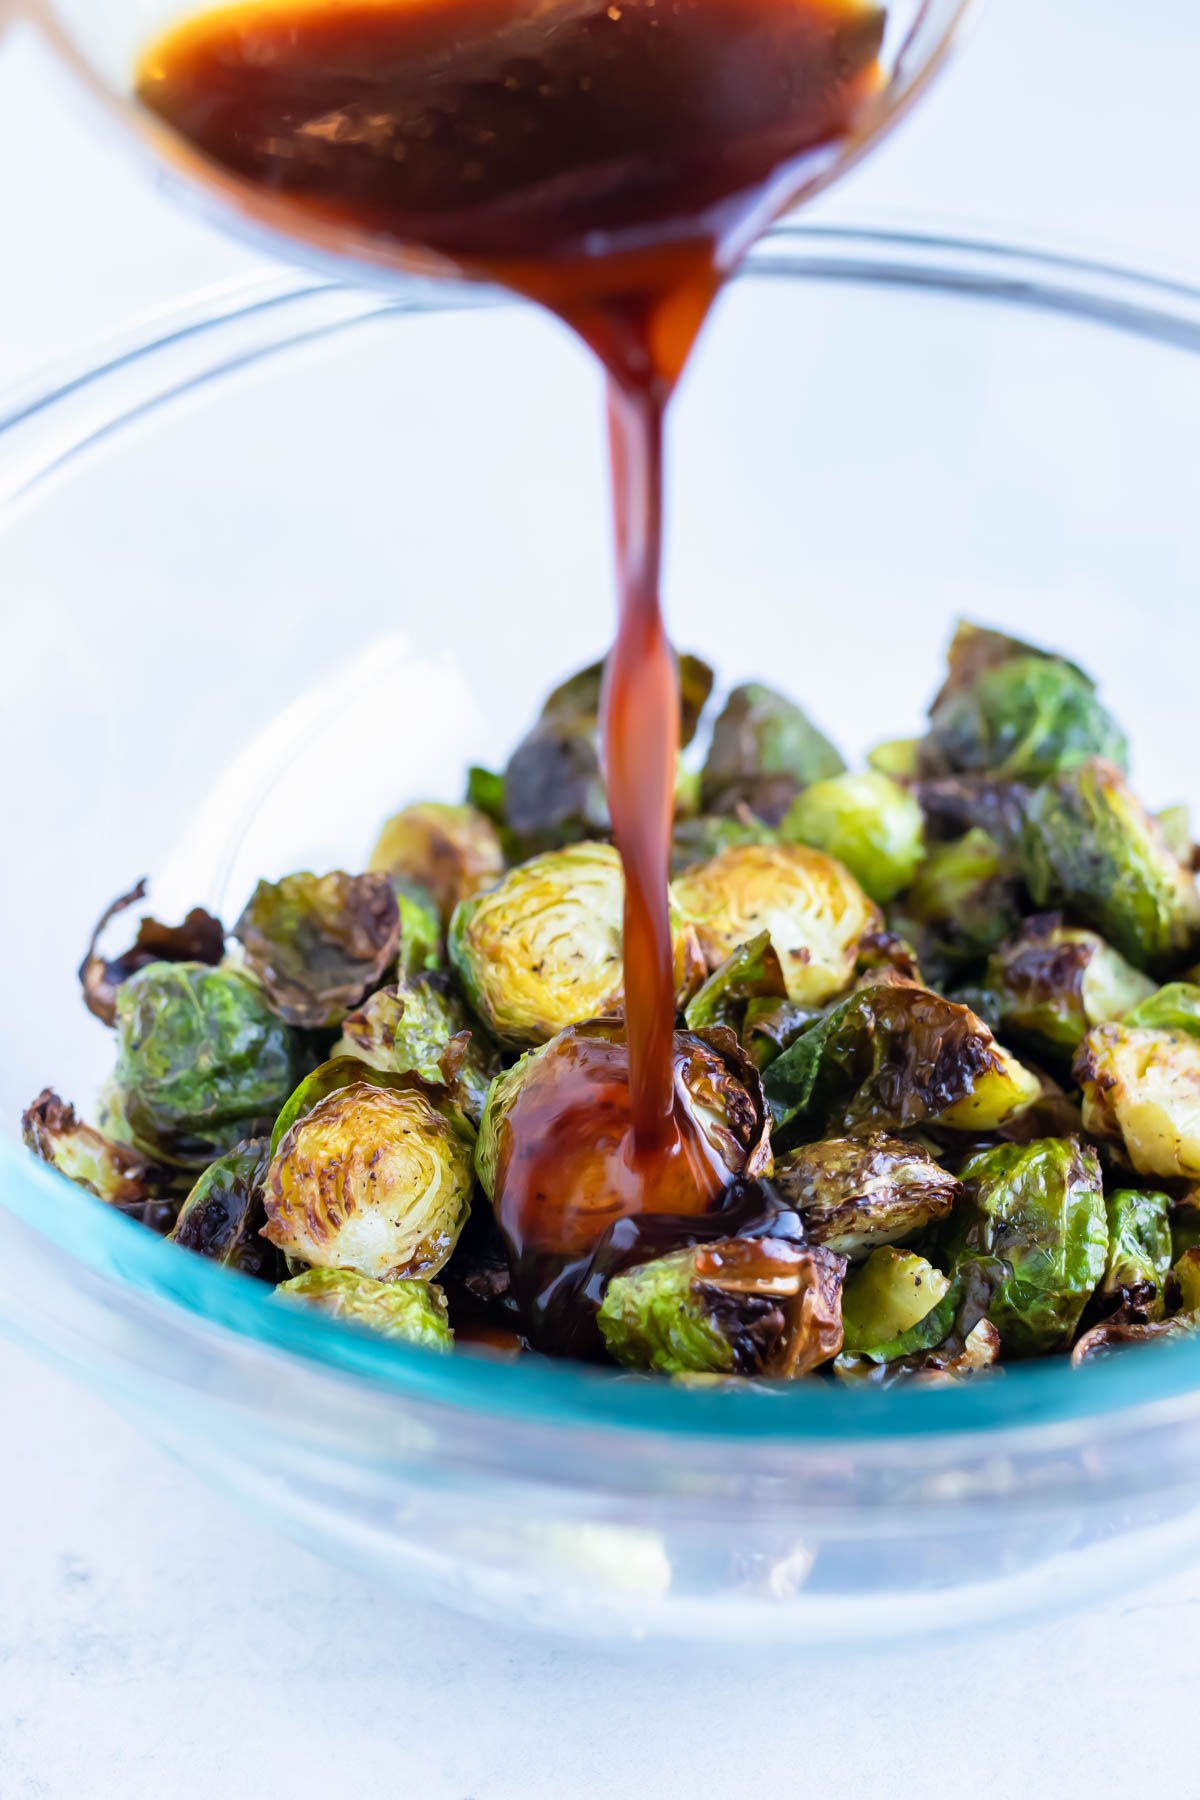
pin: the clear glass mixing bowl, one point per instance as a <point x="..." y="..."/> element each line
<point x="300" y="554"/>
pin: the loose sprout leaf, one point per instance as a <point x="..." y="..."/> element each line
<point x="543" y="950"/>
<point x="892" y="1056"/>
<point x="319" y="944"/>
<point x="202" y="1061"/>
<point x="868" y="822"/>
<point x="857" y="1193"/>
<point x="415" y="1312"/>
<point x="812" y="909"/>
<point x="200" y="938"/>
<point x="763" y="745"/>
<point x="450" y="852"/>
<point x="420" y="929"/>
<point x="375" y="1177"/>
<point x="1141" y="1089"/>
<point x="1034" y="1226"/>
<point x="740" y="1306"/>
<point x="223" y="1216"/>
<point x="1091" y="847"/>
<point x="751" y="973"/>
<point x="485" y="792"/>
<point x="114" y="1172"/>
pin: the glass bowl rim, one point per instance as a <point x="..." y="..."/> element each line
<point x="94" y="1238"/>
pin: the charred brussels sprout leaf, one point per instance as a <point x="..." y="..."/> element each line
<point x="200" y="938"/>
<point x="115" y="1172"/>
<point x="1175" y="1007"/>
<point x="202" y="1061"/>
<point x="895" y="1305"/>
<point x="812" y="909"/>
<point x="319" y="943"/>
<point x="372" y="1178"/>
<point x="485" y="792"/>
<point x="415" y="1312"/>
<point x="856" y="1193"/>
<point x="893" y="1056"/>
<point x="763" y="748"/>
<point x="1139" y="1251"/>
<point x="740" y="1306"/>
<point x="1052" y="982"/>
<point x="422" y="1026"/>
<point x="223" y="1216"/>
<point x="751" y="973"/>
<point x="1034" y="1226"/>
<point x="543" y="950"/>
<point x="1024" y="719"/>
<point x="961" y="905"/>
<point x="955" y="1359"/>
<point x="868" y="822"/>
<point x="451" y="852"/>
<point x="1141" y="1088"/>
<point x="420" y="930"/>
<point x="1090" y="846"/>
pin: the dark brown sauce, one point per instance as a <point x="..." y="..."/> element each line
<point x="612" y="159"/>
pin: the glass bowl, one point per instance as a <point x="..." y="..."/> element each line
<point x="298" y="555"/>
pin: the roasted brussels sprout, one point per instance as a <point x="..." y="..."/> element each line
<point x="868" y="822"/>
<point x="895" y="1305"/>
<point x="1033" y="1227"/>
<point x="1175" y="1007"/>
<point x="318" y="944"/>
<point x="554" y="791"/>
<point x="1175" y="823"/>
<point x="1052" y="982"/>
<point x="698" y="840"/>
<point x="202" y="1061"/>
<point x="413" y="1311"/>
<point x="974" y="649"/>
<point x="451" y="852"/>
<point x="1089" y="845"/>
<point x="1139" y="1252"/>
<point x="897" y="757"/>
<point x="961" y="905"/>
<point x="753" y="972"/>
<point x="855" y="1193"/>
<point x="764" y="749"/>
<point x="223" y="1216"/>
<point x="375" y="1177"/>
<point x="115" y="1172"/>
<point x="1024" y="718"/>
<point x="1129" y="1325"/>
<point x="200" y="938"/>
<point x="1141" y="1088"/>
<point x="892" y="1056"/>
<point x="812" y="908"/>
<point x="740" y="1306"/>
<point x="421" y="1025"/>
<point x="543" y="949"/>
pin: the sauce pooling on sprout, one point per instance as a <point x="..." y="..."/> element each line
<point x="613" y="161"/>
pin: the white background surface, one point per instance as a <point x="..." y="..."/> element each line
<point x="154" y="1644"/>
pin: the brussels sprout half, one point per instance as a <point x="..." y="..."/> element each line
<point x="114" y="1172"/>
<point x="451" y="852"/>
<point x="374" y="1175"/>
<point x="1139" y="1251"/>
<point x="868" y="822"/>
<point x="740" y="1306"/>
<point x="413" y="1311"/>
<point x="895" y="1305"/>
<point x="319" y="943"/>
<point x="856" y="1193"/>
<point x="812" y="908"/>
<point x="202" y="1061"/>
<point x="892" y="1056"/>
<point x="763" y="746"/>
<point x="1025" y="718"/>
<point x="1090" y="846"/>
<point x="1052" y="982"/>
<point x="1033" y="1225"/>
<point x="543" y="950"/>
<point x="420" y="1025"/>
<point x="1141" y="1088"/>
<point x="223" y="1216"/>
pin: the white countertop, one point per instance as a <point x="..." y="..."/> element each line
<point x="152" y="1641"/>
